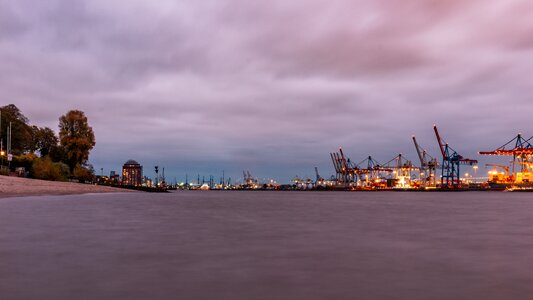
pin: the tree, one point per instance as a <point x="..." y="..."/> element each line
<point x="76" y="137"/>
<point x="44" y="140"/>
<point x="21" y="138"/>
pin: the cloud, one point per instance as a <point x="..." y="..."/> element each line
<point x="200" y="86"/>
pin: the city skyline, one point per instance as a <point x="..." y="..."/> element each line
<point x="274" y="87"/>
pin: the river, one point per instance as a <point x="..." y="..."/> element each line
<point x="268" y="245"/>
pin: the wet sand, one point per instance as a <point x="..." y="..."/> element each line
<point x="16" y="187"/>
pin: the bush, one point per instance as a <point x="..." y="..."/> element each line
<point x="23" y="161"/>
<point x="44" y="168"/>
<point x="4" y="171"/>
<point x="83" y="174"/>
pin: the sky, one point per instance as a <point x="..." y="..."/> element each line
<point x="271" y="87"/>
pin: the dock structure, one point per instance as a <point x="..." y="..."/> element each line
<point x="520" y="172"/>
<point x="402" y="173"/>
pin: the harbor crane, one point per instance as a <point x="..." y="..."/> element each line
<point x="371" y="169"/>
<point x="505" y="168"/>
<point x="344" y="169"/>
<point x="451" y="160"/>
<point x="519" y="148"/>
<point x="249" y="180"/>
<point x="401" y="169"/>
<point x="319" y="179"/>
<point x="428" y="164"/>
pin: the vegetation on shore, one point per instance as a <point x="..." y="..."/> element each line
<point x="42" y="154"/>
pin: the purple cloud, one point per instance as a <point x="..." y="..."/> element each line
<point x="274" y="86"/>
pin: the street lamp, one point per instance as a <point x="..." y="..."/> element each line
<point x="156" y="175"/>
<point x="475" y="170"/>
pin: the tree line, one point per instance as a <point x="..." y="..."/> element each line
<point x="42" y="153"/>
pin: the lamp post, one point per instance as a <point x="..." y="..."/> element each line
<point x="156" y="175"/>
<point x="475" y="171"/>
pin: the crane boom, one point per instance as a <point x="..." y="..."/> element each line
<point x="506" y="168"/>
<point x="317" y="175"/>
<point x="441" y="143"/>
<point x="420" y="153"/>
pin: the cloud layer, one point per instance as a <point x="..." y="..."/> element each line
<point x="271" y="87"/>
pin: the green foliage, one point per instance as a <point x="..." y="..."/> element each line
<point x="76" y="137"/>
<point x="60" y="157"/>
<point x="4" y="171"/>
<point x="44" y="168"/>
<point x="25" y="160"/>
<point x="43" y="140"/>
<point x="21" y="139"/>
<point x="65" y="170"/>
<point x="83" y="174"/>
<point x="58" y="154"/>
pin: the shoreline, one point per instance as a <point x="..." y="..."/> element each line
<point x="21" y="187"/>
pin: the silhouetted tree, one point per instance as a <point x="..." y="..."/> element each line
<point x="44" y="140"/>
<point x="76" y="137"/>
<point x="21" y="138"/>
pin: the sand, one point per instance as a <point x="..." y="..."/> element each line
<point x="16" y="187"/>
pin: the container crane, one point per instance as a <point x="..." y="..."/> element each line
<point x="318" y="177"/>
<point x="370" y="169"/>
<point x="344" y="169"/>
<point x="428" y="164"/>
<point x="401" y="168"/>
<point x="519" y="148"/>
<point x="451" y="160"/>
<point x="496" y="177"/>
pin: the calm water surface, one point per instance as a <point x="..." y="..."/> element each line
<point x="268" y="245"/>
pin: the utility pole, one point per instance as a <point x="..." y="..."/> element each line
<point x="9" y="155"/>
<point x="156" y="175"/>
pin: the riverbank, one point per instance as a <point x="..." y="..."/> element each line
<point x="17" y="187"/>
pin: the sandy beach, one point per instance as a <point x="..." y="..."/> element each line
<point x="16" y="187"/>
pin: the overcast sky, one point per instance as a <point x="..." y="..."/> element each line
<point x="271" y="86"/>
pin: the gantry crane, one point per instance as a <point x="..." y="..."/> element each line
<point x="249" y="180"/>
<point x="428" y="165"/>
<point x="344" y="169"/>
<point x="401" y="168"/>
<point x="451" y="160"/>
<point x="505" y="168"/>
<point x="522" y="152"/>
<point x="318" y="179"/>
<point x="370" y="169"/>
